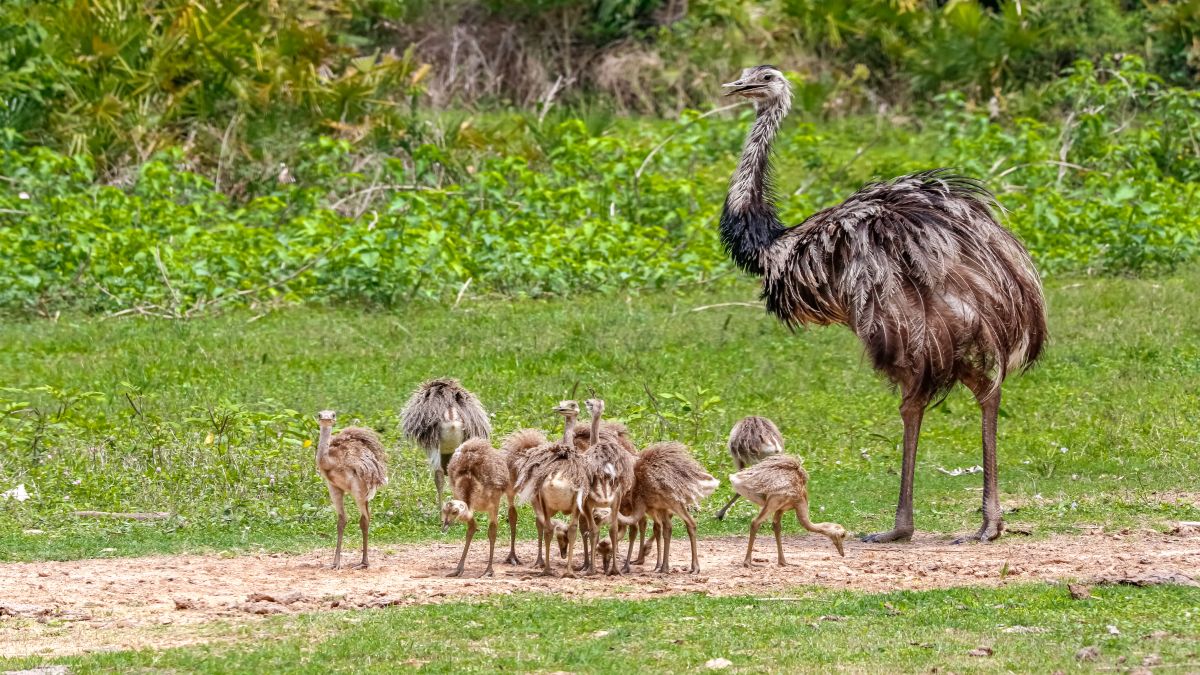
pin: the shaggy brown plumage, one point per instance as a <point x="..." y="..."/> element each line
<point x="751" y="439"/>
<point x="516" y="448"/>
<point x="479" y="478"/>
<point x="614" y="431"/>
<point x="353" y="461"/>
<point x="553" y="477"/>
<point x="777" y="484"/>
<point x="438" y="417"/>
<point x="667" y="481"/>
<point x="619" y="433"/>
<point x="918" y="267"/>
<point x="610" y="473"/>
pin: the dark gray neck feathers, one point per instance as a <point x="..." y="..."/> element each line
<point x="749" y="225"/>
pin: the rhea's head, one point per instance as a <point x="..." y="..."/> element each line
<point x="569" y="409"/>
<point x="595" y="406"/>
<point x="837" y="534"/>
<point x="761" y="84"/>
<point x="325" y="418"/>
<point x="455" y="511"/>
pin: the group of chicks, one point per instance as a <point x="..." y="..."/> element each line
<point x="594" y="476"/>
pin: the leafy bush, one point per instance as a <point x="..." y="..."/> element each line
<point x="172" y="245"/>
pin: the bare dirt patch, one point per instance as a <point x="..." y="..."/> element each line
<point x="57" y="608"/>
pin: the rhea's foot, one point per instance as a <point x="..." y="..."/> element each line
<point x="547" y="573"/>
<point x="456" y="573"/>
<point x="989" y="532"/>
<point x="892" y="535"/>
<point x="512" y="559"/>
<point x="360" y="566"/>
<point x="747" y="564"/>
<point x="568" y="574"/>
<point x="487" y="572"/>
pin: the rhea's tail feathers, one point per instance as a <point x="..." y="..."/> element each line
<point x="436" y="400"/>
<point x="522" y="439"/>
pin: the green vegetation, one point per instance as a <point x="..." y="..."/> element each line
<point x="523" y="208"/>
<point x="176" y="158"/>
<point x="331" y="200"/>
<point x="211" y="419"/>
<point x="1033" y="628"/>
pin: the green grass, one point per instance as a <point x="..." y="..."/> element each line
<point x="1031" y="628"/>
<point x="207" y="419"/>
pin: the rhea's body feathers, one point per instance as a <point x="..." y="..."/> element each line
<point x="478" y="474"/>
<point x="918" y="268"/>
<point x="354" y="455"/>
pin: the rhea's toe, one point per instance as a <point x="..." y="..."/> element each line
<point x="888" y="537"/>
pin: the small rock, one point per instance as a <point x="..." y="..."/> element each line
<point x="601" y="633"/>
<point x="980" y="651"/>
<point x="1087" y="653"/>
<point x="1079" y="591"/>
<point x="184" y="603"/>
<point x="280" y="598"/>
<point x="1152" y="660"/>
<point x="289" y="598"/>
<point x="263" y="607"/>
<point x="718" y="663"/>
<point x="383" y="602"/>
<point x="1113" y="630"/>
<point x="22" y="610"/>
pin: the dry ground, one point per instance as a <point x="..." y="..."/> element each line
<point x="57" y="608"/>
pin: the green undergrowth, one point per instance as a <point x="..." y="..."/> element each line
<point x="1098" y="175"/>
<point x="1024" y="628"/>
<point x="212" y="420"/>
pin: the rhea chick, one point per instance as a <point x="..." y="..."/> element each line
<point x="779" y="484"/>
<point x="353" y="461"/>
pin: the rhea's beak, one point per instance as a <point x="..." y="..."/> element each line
<point x="738" y="87"/>
<point x="446" y="528"/>
<point x="837" y="541"/>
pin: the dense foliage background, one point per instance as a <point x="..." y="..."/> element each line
<point x="171" y="157"/>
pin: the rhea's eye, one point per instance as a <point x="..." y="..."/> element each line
<point x="766" y="77"/>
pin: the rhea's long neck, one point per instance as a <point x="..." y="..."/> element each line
<point x="323" y="441"/>
<point x="749" y="225"/>
<point x="569" y="431"/>
<point x="595" y="428"/>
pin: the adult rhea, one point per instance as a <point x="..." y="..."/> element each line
<point x="934" y="287"/>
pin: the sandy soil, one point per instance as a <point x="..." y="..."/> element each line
<point x="57" y="608"/>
